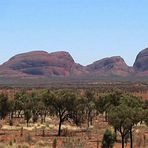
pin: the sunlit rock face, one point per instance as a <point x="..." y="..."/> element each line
<point x="41" y="63"/>
<point x="112" y="65"/>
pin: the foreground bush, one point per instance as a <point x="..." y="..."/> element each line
<point x="108" y="139"/>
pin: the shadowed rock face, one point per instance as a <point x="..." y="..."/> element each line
<point x="112" y="65"/>
<point x="40" y="59"/>
<point x="141" y="62"/>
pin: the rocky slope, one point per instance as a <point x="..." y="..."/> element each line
<point x="41" y="63"/>
<point x="110" y="66"/>
<point x="61" y="64"/>
<point x="141" y="62"/>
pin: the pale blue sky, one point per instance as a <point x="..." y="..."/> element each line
<point x="88" y="29"/>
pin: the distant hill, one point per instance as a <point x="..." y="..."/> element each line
<point x="110" y="66"/>
<point x="141" y="63"/>
<point x="41" y="64"/>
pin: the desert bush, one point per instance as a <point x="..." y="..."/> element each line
<point x="14" y="140"/>
<point x="43" y="130"/>
<point x="10" y="143"/>
<point x="108" y="139"/>
<point x="11" y="122"/>
<point x="21" y="131"/>
<point x="54" y="144"/>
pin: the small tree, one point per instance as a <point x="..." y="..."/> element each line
<point x="119" y="119"/>
<point x="78" y="115"/>
<point x="11" y="111"/>
<point x="4" y="105"/>
<point x="19" y="102"/>
<point x="125" y="115"/>
<point x="28" y="115"/>
<point x="105" y="103"/>
<point x="89" y="102"/>
<point x="61" y="103"/>
<point x="108" y="139"/>
<point x="28" y="105"/>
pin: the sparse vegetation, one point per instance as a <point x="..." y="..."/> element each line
<point x="72" y="114"/>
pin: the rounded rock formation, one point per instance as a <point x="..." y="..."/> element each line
<point x="141" y="62"/>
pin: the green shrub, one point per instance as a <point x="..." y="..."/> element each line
<point x="10" y="143"/>
<point x="11" y="122"/>
<point x="54" y="144"/>
<point x="108" y="139"/>
<point x="14" y="140"/>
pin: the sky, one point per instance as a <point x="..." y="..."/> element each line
<point x="88" y="29"/>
